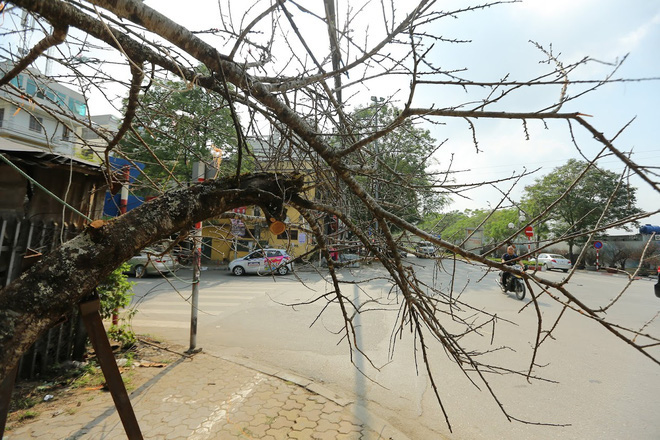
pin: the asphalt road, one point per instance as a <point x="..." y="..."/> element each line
<point x="598" y="385"/>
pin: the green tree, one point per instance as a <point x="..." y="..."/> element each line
<point x="579" y="210"/>
<point x="115" y="293"/>
<point x="398" y="163"/>
<point x="496" y="229"/>
<point x="453" y="226"/>
<point x="181" y="124"/>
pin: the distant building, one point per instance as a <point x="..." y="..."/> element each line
<point x="101" y="125"/>
<point x="40" y="112"/>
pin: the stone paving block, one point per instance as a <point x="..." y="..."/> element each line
<point x="327" y="435"/>
<point x="324" y="425"/>
<point x="334" y="417"/>
<point x="282" y="423"/>
<point x="290" y="414"/>
<point x="350" y="436"/>
<point x="273" y="403"/>
<point x="252" y="410"/>
<point x="179" y="432"/>
<point x="303" y="423"/>
<point x="255" y="431"/>
<point x="305" y="434"/>
<point x="278" y="433"/>
<point x="302" y="398"/>
<point x="270" y="412"/>
<point x="292" y="404"/>
<point x="280" y="396"/>
<point x="314" y="415"/>
<point x="346" y="427"/>
<point x="262" y="419"/>
<point x="239" y="417"/>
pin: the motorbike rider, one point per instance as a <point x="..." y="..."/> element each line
<point x="508" y="259"/>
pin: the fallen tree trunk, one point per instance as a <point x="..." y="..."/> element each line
<point x="47" y="291"/>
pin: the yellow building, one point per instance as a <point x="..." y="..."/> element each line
<point x="226" y="239"/>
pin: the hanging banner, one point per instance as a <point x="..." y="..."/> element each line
<point x="237" y="228"/>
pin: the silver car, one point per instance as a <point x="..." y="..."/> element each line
<point x="554" y="261"/>
<point x="425" y="249"/>
<point x="152" y="263"/>
<point x="263" y="261"/>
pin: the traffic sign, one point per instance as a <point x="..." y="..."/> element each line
<point x="598" y="244"/>
<point x="529" y="231"/>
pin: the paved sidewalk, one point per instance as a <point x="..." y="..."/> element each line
<point x="206" y="397"/>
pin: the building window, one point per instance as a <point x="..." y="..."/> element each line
<point x="35" y="123"/>
<point x="66" y="132"/>
<point x="31" y="87"/>
<point x="2" y="116"/>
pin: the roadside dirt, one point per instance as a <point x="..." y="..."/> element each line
<point x="67" y="388"/>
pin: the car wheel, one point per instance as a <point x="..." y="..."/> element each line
<point x="545" y="266"/>
<point x="565" y="270"/>
<point x="139" y="271"/>
<point x="282" y="270"/>
<point x="238" y="271"/>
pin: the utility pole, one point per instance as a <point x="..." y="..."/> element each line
<point x="198" y="176"/>
<point x="376" y="100"/>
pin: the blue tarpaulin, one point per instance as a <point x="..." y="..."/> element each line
<point x="111" y="205"/>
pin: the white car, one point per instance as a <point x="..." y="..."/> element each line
<point x="263" y="261"/>
<point x="554" y="261"/>
<point x="425" y="249"/>
<point x="150" y="262"/>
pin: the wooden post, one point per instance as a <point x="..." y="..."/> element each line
<point x="99" y="339"/>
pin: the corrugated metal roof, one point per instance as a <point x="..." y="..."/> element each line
<point x="39" y="156"/>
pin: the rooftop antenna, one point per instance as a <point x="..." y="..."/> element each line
<point x="27" y="23"/>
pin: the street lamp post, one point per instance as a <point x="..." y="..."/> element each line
<point x="521" y="220"/>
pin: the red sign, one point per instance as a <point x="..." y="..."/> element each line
<point x="529" y="231"/>
<point x="598" y="244"/>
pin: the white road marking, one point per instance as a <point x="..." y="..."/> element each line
<point x="181" y="310"/>
<point x="164" y="324"/>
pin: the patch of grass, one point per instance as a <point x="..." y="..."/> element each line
<point x="27" y="415"/>
<point x="92" y="376"/>
<point x="24" y="402"/>
<point x="127" y="378"/>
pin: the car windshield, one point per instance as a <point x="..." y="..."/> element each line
<point x="254" y="255"/>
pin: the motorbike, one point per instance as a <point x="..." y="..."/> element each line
<point x="514" y="282"/>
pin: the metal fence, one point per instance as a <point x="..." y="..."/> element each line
<point x="23" y="242"/>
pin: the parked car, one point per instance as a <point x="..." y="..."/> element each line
<point x="263" y="261"/>
<point x="425" y="249"/>
<point x="553" y="261"/>
<point x="151" y="262"/>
